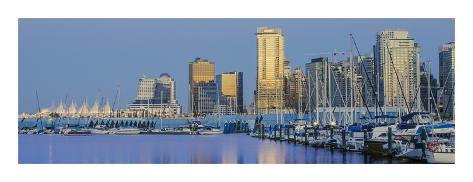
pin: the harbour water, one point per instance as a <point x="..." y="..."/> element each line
<point x="179" y="149"/>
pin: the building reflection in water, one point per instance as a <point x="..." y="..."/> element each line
<point x="270" y="153"/>
<point x="229" y="154"/>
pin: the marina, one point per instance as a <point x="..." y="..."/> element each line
<point x="380" y="106"/>
<point x="416" y="138"/>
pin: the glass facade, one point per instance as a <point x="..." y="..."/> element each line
<point x="270" y="71"/>
<point x="202" y="86"/>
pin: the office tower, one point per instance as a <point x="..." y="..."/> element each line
<point x="270" y="70"/>
<point x="317" y="75"/>
<point x="202" y="86"/>
<point x="447" y="79"/>
<point x="230" y="92"/>
<point x="368" y="75"/>
<point x="428" y="88"/>
<point x="155" y="97"/>
<point x="165" y="92"/>
<point x="343" y="88"/>
<point x="146" y="90"/>
<point x="205" y="98"/>
<point x="297" y="91"/>
<point x="398" y="57"/>
<point x="342" y="91"/>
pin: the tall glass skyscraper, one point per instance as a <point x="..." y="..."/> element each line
<point x="447" y="79"/>
<point x="270" y="70"/>
<point x="398" y="56"/>
<point x="202" y="86"/>
<point x="230" y="91"/>
<point x="156" y="96"/>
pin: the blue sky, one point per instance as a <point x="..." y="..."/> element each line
<point x="92" y="57"/>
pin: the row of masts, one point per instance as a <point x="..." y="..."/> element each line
<point x="350" y="116"/>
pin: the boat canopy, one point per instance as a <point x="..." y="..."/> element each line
<point x="409" y="116"/>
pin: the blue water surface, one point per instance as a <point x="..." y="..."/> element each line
<point x="180" y="149"/>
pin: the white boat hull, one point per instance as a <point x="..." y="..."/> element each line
<point x="126" y="132"/>
<point x="441" y="157"/>
<point x="210" y="132"/>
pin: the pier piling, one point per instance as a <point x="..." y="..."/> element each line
<point x="390" y="140"/>
<point x="305" y="135"/>
<point x="365" y="139"/>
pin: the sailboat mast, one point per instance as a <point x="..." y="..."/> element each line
<point x="351" y="84"/>
<point x="324" y="96"/>
<point x="310" y="98"/>
<point x="330" y="86"/>
<point x="37" y="101"/>
<point x="428" y="88"/>
<point x="316" y="96"/>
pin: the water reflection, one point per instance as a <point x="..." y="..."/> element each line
<point x="166" y="149"/>
<point x="270" y="153"/>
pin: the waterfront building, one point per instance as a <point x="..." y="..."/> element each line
<point x="447" y="79"/>
<point x="165" y="90"/>
<point x="146" y="90"/>
<point x="230" y="91"/>
<point x="223" y="109"/>
<point x="202" y="87"/>
<point x="368" y="75"/>
<point x="205" y="98"/>
<point x="398" y="56"/>
<point x="270" y="70"/>
<point x="155" y="97"/>
<point x="297" y="91"/>
<point x="317" y="75"/>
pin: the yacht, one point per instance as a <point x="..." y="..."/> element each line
<point x="126" y="131"/>
<point x="75" y="132"/>
<point x="209" y="131"/>
<point x="441" y="144"/>
<point x="356" y="142"/>
<point x="99" y="130"/>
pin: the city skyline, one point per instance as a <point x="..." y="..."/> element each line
<point x="31" y="72"/>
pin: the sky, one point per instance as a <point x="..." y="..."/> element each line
<point x="71" y="59"/>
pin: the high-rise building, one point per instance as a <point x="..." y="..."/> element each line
<point x="368" y="75"/>
<point x="155" y="97"/>
<point x="398" y="56"/>
<point x="297" y="91"/>
<point x="428" y="88"/>
<point x="230" y="91"/>
<point x="146" y="90"/>
<point x="205" y="98"/>
<point x="447" y="79"/>
<point x="165" y="89"/>
<point x="343" y="88"/>
<point x="270" y="70"/>
<point x="202" y="86"/>
<point x="317" y="79"/>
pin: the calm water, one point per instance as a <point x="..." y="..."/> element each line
<point x="165" y="149"/>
